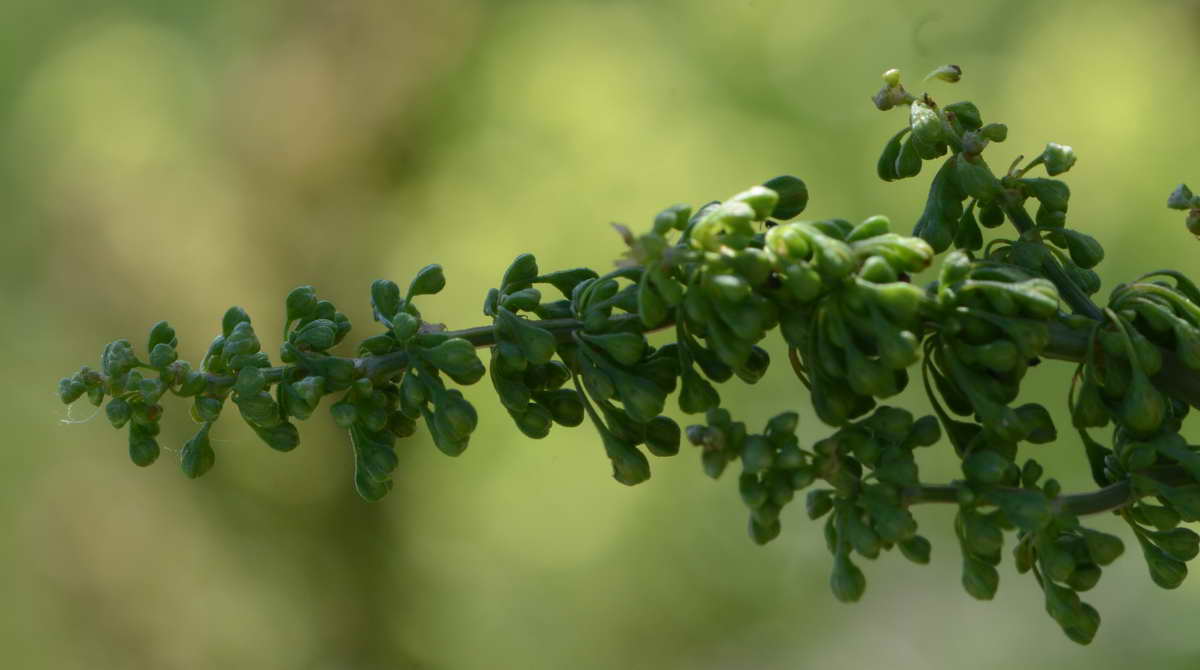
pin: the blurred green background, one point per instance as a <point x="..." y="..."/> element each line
<point x="163" y="160"/>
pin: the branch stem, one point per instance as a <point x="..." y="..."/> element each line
<point x="1111" y="497"/>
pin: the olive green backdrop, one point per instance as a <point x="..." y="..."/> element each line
<point x="163" y="160"/>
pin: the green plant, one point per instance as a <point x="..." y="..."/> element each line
<point x="723" y="277"/>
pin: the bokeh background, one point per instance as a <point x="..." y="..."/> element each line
<point x="165" y="159"/>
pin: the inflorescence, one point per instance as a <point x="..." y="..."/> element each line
<point x="570" y="346"/>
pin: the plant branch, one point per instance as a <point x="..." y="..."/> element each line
<point x="1111" y="497"/>
<point x="1066" y="344"/>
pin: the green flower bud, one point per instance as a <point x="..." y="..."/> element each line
<point x="662" y="436"/>
<point x="565" y="406"/>
<point x="925" y="124"/>
<point x="891" y="423"/>
<point x="1052" y="193"/>
<point x="118" y="358"/>
<point x="291" y="404"/>
<point x="755" y="366"/>
<point x="457" y="358"/>
<point x="651" y="307"/>
<point x="162" y="356"/>
<point x="310" y="389"/>
<point x="801" y="478"/>
<point x="991" y="215"/>
<point x="316" y="335"/>
<point x="802" y="281"/>
<point x="1162" y="518"/>
<point x="258" y="409"/>
<point x="535" y="422"/>
<point x="754" y="492"/>
<point x="864" y="540"/>
<point x="206" y="409"/>
<point x="233" y="316"/>
<point x="630" y="466"/>
<point x="641" y="397"/>
<point x="995" y="132"/>
<point x="979" y="579"/>
<point x="240" y="341"/>
<point x="404" y="326"/>
<point x="886" y="167"/>
<point x="526" y="299"/>
<point x="761" y="199"/>
<point x="916" y="549"/>
<point x="908" y="160"/>
<point x="986" y="467"/>
<point x="1058" y="158"/>
<point x="537" y="344"/>
<point x="1056" y="558"/>
<point x="673" y="217"/>
<point x="926" y="431"/>
<point x="70" y="389"/>
<point x="1078" y="620"/>
<point x="429" y="281"/>
<point x="758" y="454"/>
<point x="566" y="280"/>
<point x="1143" y="407"/>
<point x="847" y="581"/>
<point x="162" y="333"/>
<point x="344" y="414"/>
<point x="401" y="425"/>
<point x="790" y="457"/>
<point x="1181" y="544"/>
<point x="1181" y="198"/>
<point x="942" y="209"/>
<point x="818" y="502"/>
<point x="300" y="303"/>
<point x="696" y="394"/>
<point x="282" y="436"/>
<point x="249" y="381"/>
<point x="793" y="196"/>
<point x="385" y="300"/>
<point x="870" y="227"/>
<point x="1085" y="251"/>
<point x="456" y="418"/>
<point x="151" y="390"/>
<point x="374" y="454"/>
<point x="762" y="533"/>
<point x="966" y="114"/>
<point x="968" y="236"/>
<point x="877" y="270"/>
<point x="783" y="424"/>
<point x="1041" y="426"/>
<point x="118" y="412"/>
<point x="624" y="348"/>
<point x="1165" y="571"/>
<point x="143" y="449"/>
<point x="198" y="456"/>
<point x="519" y="274"/>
